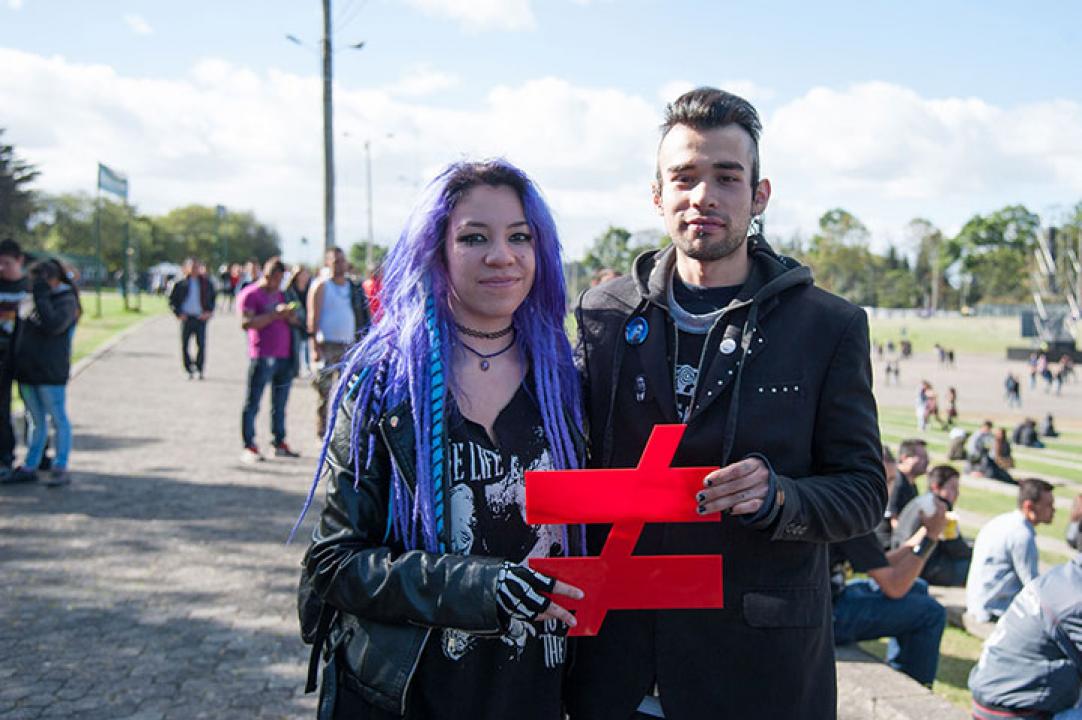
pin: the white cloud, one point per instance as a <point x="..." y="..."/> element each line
<point x="252" y="140"/>
<point x="423" y="80"/>
<point x="15" y="4"/>
<point x="138" y="25"/>
<point x="887" y="154"/>
<point x="479" y="15"/>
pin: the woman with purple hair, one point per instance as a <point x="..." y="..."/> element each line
<point x="464" y="384"/>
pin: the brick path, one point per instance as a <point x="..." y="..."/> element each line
<point x="157" y="585"/>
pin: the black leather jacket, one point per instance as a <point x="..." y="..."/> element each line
<point x="389" y="598"/>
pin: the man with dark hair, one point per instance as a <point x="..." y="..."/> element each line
<point x="912" y="463"/>
<point x="14" y="288"/>
<point x="773" y="378"/>
<point x="266" y="317"/>
<point x="1005" y="555"/>
<point x="892" y="601"/>
<point x="948" y="562"/>
<point x="192" y="301"/>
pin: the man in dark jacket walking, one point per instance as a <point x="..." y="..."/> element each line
<point x="773" y="378"/>
<point x="192" y="301"/>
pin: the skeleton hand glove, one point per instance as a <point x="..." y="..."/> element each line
<point x="519" y="592"/>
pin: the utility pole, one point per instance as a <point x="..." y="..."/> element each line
<point x="328" y="134"/>
<point x="368" y="183"/>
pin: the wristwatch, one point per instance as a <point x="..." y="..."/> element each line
<point x="924" y="548"/>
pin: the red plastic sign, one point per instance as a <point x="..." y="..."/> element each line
<point x="627" y="498"/>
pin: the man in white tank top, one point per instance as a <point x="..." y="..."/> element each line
<point x="333" y="325"/>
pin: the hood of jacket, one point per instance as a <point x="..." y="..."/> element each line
<point x="770" y="274"/>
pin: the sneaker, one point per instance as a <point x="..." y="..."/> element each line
<point x="251" y="455"/>
<point x="57" y="478"/>
<point x="283" y="450"/>
<point x="21" y="475"/>
<point x="46" y="463"/>
<point x="200" y="374"/>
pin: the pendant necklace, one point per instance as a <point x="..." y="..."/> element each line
<point x="495" y="335"/>
<point x="485" y="357"/>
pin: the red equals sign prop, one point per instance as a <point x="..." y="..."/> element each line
<point x="628" y="498"/>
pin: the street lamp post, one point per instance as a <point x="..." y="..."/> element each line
<point x="368" y="251"/>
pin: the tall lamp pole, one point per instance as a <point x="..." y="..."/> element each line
<point x="328" y="134"/>
<point x="368" y="183"/>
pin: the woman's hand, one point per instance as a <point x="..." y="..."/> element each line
<point x="521" y="594"/>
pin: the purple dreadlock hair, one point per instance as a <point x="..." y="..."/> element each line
<point x="404" y="356"/>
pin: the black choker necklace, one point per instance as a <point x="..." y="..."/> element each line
<point x="485" y="357"/>
<point x="485" y="335"/>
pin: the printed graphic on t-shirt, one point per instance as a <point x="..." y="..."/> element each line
<point x="488" y="517"/>
<point x="689" y="350"/>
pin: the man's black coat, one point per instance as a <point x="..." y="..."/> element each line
<point x="796" y="391"/>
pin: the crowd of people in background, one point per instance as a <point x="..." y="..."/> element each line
<point x="39" y="309"/>
<point x="919" y="543"/>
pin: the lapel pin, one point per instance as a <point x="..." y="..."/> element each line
<point x="636" y="330"/>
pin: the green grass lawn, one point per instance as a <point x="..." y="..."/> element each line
<point x="958" y="653"/>
<point x="92" y="331"/>
<point x="962" y="334"/>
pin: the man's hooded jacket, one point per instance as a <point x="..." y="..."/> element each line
<point x="786" y="376"/>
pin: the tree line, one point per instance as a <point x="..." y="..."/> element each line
<point x="992" y="259"/>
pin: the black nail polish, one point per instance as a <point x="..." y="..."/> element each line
<point x="700" y="497"/>
<point x="702" y="510"/>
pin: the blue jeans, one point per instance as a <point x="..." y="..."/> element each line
<point x="44" y="402"/>
<point x="913" y="623"/>
<point x="279" y="373"/>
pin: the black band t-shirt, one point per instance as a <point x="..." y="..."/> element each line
<point x="517" y="674"/>
<point x="687" y="344"/>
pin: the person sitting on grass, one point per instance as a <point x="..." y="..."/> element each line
<point x="1005" y="554"/>
<point x="1025" y="434"/>
<point x="949" y="561"/>
<point x="1031" y="666"/>
<point x="1048" y="427"/>
<point x="892" y="601"/>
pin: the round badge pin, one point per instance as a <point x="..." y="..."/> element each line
<point x="636" y="330"/>
<point x="728" y="345"/>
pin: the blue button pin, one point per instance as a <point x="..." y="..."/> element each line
<point x="636" y="330"/>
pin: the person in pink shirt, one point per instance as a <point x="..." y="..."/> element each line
<point x="267" y="318"/>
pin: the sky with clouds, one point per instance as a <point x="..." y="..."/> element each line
<point x="931" y="109"/>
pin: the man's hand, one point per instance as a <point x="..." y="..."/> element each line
<point x="282" y="311"/>
<point x="936" y="522"/>
<point x="204" y="316"/>
<point x="739" y="488"/>
<point x="182" y="317"/>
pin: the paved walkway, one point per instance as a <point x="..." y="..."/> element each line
<point x="157" y="585"/>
